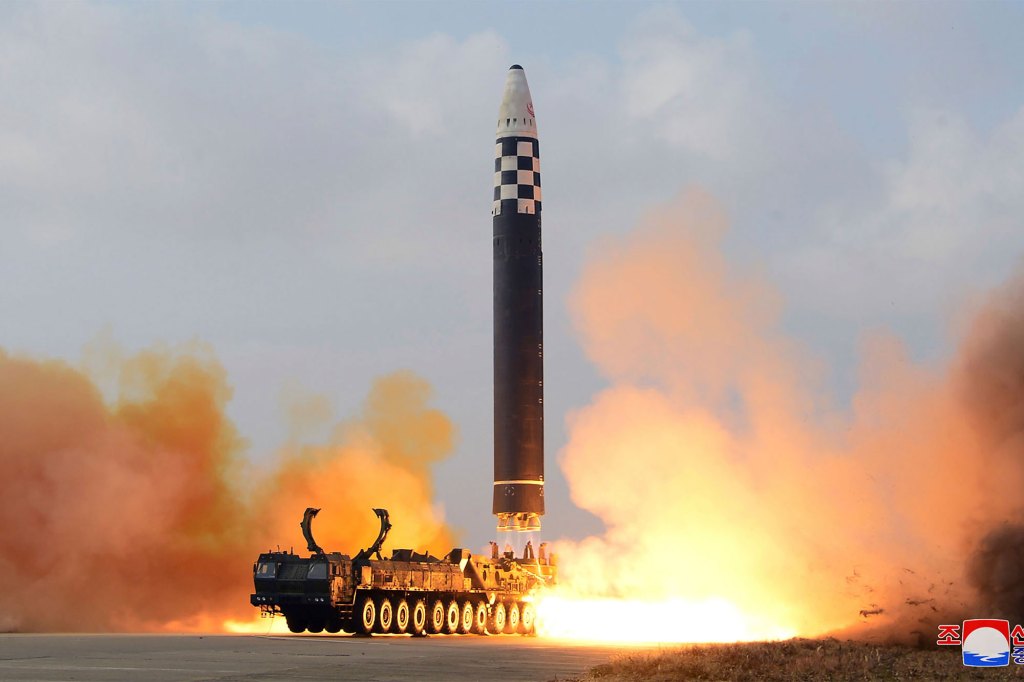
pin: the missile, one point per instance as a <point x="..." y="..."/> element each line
<point x="518" y="313"/>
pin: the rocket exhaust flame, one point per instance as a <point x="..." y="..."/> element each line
<point x="622" y="621"/>
<point x="734" y="494"/>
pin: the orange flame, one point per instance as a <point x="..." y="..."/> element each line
<point x="634" y="621"/>
<point x="132" y="515"/>
<point x="733" y="493"/>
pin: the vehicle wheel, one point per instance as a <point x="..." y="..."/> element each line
<point x="480" y="618"/>
<point x="316" y="626"/>
<point x="527" y="619"/>
<point x="296" y="624"/>
<point x="512" y="620"/>
<point x="452" y="616"/>
<point x="437" y="617"/>
<point x="401" y="617"/>
<point x="385" y="615"/>
<point x="333" y="625"/>
<point x="496" y="621"/>
<point x="365" y="615"/>
<point x="419" y="617"/>
<point x="466" y="619"/>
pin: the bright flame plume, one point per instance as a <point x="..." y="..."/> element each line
<point x="674" y="620"/>
<point x="739" y="502"/>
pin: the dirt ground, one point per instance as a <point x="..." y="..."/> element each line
<point x="797" y="659"/>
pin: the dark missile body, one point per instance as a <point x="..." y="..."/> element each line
<point x="518" y="315"/>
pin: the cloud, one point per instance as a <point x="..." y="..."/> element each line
<point x="172" y="173"/>
<point x="943" y="226"/>
<point x="696" y="92"/>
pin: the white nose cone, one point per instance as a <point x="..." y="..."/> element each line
<point x="515" y="117"/>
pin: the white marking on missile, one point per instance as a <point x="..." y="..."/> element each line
<point x="519" y="482"/>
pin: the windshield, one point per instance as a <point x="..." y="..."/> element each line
<point x="266" y="569"/>
<point x="317" y="570"/>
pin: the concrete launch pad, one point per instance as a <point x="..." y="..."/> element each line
<point x="159" y="658"/>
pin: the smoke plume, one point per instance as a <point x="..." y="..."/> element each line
<point x="724" y="473"/>
<point x="990" y="375"/>
<point x="141" y="513"/>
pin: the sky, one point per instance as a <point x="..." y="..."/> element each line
<point x="306" y="188"/>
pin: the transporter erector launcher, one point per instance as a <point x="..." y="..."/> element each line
<point x="518" y="313"/>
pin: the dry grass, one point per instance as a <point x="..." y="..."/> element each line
<point x="796" y="659"/>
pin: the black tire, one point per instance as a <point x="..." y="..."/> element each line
<point x="496" y="618"/>
<point x="437" y="617"/>
<point x="333" y="625"/>
<point x="512" y="620"/>
<point x="296" y="624"/>
<point x="480" y="618"/>
<point x="452" y="616"/>
<point x="385" y="615"/>
<point x="527" y="619"/>
<point x="418" y="621"/>
<point x="316" y="626"/>
<point x="365" y="616"/>
<point x="466" y="613"/>
<point x="401" y="619"/>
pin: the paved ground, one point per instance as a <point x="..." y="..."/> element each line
<point x="226" y="658"/>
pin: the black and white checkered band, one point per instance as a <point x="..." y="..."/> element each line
<point x="516" y="175"/>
